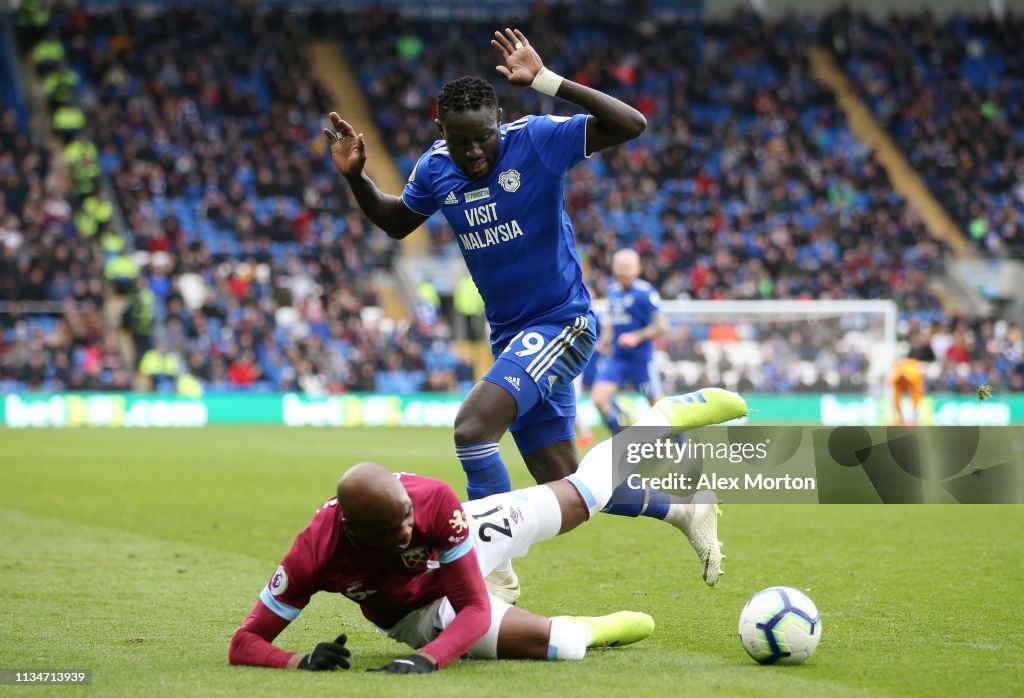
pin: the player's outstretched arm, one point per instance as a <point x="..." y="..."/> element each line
<point x="348" y="150"/>
<point x="612" y="121"/>
<point x="657" y="328"/>
<point x="253" y="645"/>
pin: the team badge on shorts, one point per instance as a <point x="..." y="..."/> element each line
<point x="509" y="180"/>
<point x="416" y="557"/>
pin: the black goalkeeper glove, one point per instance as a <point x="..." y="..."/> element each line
<point x="411" y="664"/>
<point x="327" y="656"/>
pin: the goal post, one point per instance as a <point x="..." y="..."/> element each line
<point x="777" y="346"/>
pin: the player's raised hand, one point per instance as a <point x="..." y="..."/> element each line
<point x="348" y="148"/>
<point x="327" y="656"/>
<point x="411" y="664"/>
<point x="521" y="61"/>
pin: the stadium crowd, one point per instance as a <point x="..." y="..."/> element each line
<point x="950" y="91"/>
<point x="258" y="267"/>
<point x="51" y="277"/>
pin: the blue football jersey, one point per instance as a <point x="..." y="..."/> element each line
<point x="512" y="227"/>
<point x="632" y="309"/>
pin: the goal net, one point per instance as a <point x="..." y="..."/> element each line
<point x="773" y="346"/>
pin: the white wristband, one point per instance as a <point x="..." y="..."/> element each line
<point x="547" y="82"/>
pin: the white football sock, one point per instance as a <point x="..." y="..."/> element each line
<point x="594" y="478"/>
<point x="567" y="640"/>
<point x="654" y="418"/>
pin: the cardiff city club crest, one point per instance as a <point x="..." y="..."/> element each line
<point x="509" y="180"/>
<point x="416" y="557"/>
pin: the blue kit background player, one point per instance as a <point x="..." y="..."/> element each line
<point x="635" y="319"/>
<point x="500" y="187"/>
<point x="585" y="381"/>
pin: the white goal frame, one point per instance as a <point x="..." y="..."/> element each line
<point x="733" y="310"/>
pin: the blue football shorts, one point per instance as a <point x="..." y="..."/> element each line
<point x="640" y="376"/>
<point x="537" y="368"/>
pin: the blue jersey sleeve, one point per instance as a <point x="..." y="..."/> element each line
<point x="560" y="140"/>
<point x="653" y="304"/>
<point x="418" y="194"/>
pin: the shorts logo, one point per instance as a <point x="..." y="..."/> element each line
<point x="551" y="380"/>
<point x="416" y="557"/>
<point x="477" y="195"/>
<point x="509" y="180"/>
<point x="451" y="199"/>
<point x="513" y="381"/>
<point x="279" y="582"/>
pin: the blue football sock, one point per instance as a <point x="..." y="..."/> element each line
<point x="486" y="473"/>
<point x="627" y="501"/>
<point x="611" y="420"/>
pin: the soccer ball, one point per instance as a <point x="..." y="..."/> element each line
<point x="780" y="625"/>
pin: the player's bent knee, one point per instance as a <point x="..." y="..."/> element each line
<point x="485" y="414"/>
<point x="473" y="429"/>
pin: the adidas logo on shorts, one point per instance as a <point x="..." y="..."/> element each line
<point x="513" y="381"/>
<point x="451" y="199"/>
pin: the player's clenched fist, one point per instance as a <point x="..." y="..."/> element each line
<point x="327" y="656"/>
<point x="412" y="664"/>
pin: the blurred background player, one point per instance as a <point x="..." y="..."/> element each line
<point x="401" y="546"/>
<point x="500" y="188"/>
<point x="635" y="320"/>
<point x="908" y="379"/>
<point x="585" y="381"/>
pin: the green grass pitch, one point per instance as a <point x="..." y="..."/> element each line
<point x="137" y="553"/>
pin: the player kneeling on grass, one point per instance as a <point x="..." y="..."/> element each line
<point x="414" y="559"/>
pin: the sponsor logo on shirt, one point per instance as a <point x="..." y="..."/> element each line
<point x="494" y="231"/>
<point x="477" y="195"/>
<point x="451" y="199"/>
<point x="513" y="381"/>
<point x="352" y="591"/>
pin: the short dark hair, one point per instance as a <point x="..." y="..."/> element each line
<point x="467" y="93"/>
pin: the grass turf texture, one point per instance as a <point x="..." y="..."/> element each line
<point x="137" y="553"/>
